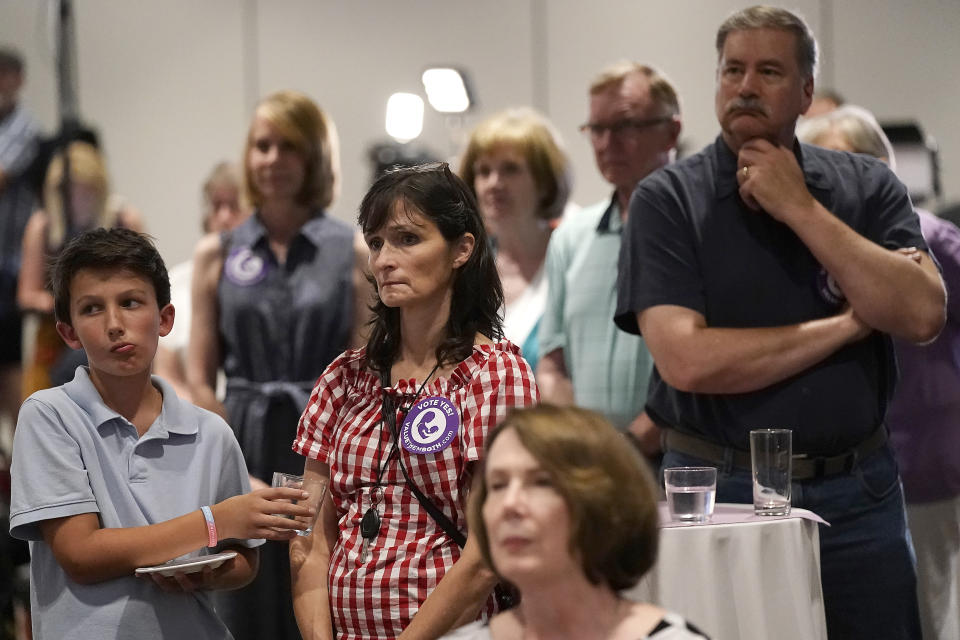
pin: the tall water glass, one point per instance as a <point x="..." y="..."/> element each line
<point x="771" y="452"/>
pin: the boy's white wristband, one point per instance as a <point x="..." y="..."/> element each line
<point x="211" y="527"/>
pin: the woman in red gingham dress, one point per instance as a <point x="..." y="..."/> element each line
<point x="436" y="322"/>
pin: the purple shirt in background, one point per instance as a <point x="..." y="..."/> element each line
<point x="924" y="417"/>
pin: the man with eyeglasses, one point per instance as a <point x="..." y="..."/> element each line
<point x="767" y="277"/>
<point x="585" y="360"/>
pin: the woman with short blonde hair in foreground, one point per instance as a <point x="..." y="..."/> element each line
<point x="567" y="513"/>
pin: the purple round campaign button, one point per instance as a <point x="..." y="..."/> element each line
<point x="430" y="426"/>
<point x="829" y="289"/>
<point x="243" y="267"/>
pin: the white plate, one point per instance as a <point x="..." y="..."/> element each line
<point x="191" y="565"/>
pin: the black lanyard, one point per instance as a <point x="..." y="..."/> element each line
<point x="389" y="414"/>
<point x="370" y="523"/>
<point x="438" y="516"/>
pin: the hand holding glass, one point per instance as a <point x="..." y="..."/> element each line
<point x="315" y="488"/>
<point x="691" y="492"/>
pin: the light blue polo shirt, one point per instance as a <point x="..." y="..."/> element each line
<point x="609" y="368"/>
<point x="73" y="455"/>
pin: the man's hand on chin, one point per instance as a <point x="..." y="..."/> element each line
<point x="771" y="180"/>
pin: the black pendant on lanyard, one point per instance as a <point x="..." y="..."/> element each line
<point x="370" y="524"/>
<point x="371" y="521"/>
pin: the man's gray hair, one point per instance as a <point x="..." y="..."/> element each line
<point x="764" y="17"/>
<point x="858" y="127"/>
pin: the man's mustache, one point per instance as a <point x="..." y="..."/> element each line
<point x="746" y="104"/>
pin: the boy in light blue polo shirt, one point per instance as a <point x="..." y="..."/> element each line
<point x="112" y="471"/>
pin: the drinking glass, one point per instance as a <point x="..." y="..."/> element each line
<point x="315" y="489"/>
<point x="691" y="492"/>
<point x="771" y="453"/>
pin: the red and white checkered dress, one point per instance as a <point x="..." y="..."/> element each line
<point x="342" y="427"/>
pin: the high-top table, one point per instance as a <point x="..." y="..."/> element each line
<point x="741" y="576"/>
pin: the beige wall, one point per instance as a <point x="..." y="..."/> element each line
<point x="171" y="84"/>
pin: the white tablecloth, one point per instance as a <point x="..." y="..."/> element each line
<point x="741" y="577"/>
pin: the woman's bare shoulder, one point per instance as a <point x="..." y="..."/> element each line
<point x="208" y="248"/>
<point x="208" y="259"/>
<point x="38" y="221"/>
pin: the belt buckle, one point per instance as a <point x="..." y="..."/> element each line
<point x="850" y="459"/>
<point x="798" y="457"/>
<point x="850" y="463"/>
<point x="819" y="464"/>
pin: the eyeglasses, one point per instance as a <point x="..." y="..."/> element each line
<point x="627" y="126"/>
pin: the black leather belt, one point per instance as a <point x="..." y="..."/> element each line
<point x="805" y="467"/>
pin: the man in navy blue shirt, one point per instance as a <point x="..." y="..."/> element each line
<point x="767" y="277"/>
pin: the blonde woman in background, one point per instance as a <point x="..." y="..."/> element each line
<point x="275" y="300"/>
<point x="517" y="169"/>
<point x="47" y="360"/>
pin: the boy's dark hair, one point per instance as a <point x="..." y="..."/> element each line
<point x="437" y="193"/>
<point x="112" y="250"/>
